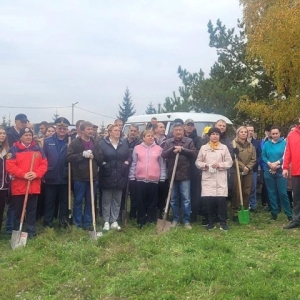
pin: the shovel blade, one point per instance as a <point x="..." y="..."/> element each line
<point x="95" y="235"/>
<point x="18" y="239"/>
<point x="244" y="216"/>
<point x="163" y="225"/>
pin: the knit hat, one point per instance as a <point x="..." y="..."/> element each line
<point x="214" y="130"/>
<point x="25" y="130"/>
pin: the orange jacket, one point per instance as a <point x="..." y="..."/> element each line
<point x="18" y="161"/>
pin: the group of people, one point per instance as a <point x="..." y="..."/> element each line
<point x="141" y="164"/>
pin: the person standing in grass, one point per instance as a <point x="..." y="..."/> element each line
<point x="181" y="187"/>
<point x="113" y="175"/>
<point x="80" y="151"/>
<point x="214" y="160"/>
<point x="147" y="168"/>
<point x="4" y="178"/>
<point x="256" y="144"/>
<point x="56" y="177"/>
<point x="133" y="139"/>
<point x="246" y="161"/>
<point x="18" y="164"/>
<point x="291" y="159"/>
<point x="272" y="155"/>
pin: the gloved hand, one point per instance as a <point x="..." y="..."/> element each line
<point x="87" y="154"/>
<point x="236" y="151"/>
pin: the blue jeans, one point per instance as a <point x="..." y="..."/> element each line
<point x="82" y="191"/>
<point x="253" y="200"/>
<point x="181" y="191"/>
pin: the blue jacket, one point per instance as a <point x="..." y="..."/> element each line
<point x="57" y="172"/>
<point x="257" y="147"/>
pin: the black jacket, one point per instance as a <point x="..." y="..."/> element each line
<point x="12" y="135"/>
<point x="184" y="161"/>
<point x="256" y="144"/>
<point x="113" y="173"/>
<point x="80" y="164"/>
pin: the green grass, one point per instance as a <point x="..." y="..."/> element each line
<point x="255" y="261"/>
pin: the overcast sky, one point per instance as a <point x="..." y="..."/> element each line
<point x="55" y="53"/>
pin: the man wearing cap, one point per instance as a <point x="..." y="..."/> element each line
<point x="18" y="165"/>
<point x="191" y="132"/>
<point x="181" y="186"/>
<point x="80" y="151"/>
<point x="13" y="137"/>
<point x="13" y="132"/>
<point x="56" y="177"/>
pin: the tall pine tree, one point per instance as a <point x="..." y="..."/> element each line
<point x="150" y="109"/>
<point x="126" y="110"/>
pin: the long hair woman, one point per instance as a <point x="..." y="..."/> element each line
<point x="4" y="179"/>
<point x="246" y="161"/>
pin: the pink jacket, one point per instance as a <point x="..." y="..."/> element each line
<point x="147" y="164"/>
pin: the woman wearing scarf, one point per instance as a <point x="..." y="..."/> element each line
<point x="4" y="179"/>
<point x="214" y="159"/>
<point x="246" y="161"/>
<point x="272" y="155"/>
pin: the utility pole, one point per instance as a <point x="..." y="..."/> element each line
<point x="73" y="105"/>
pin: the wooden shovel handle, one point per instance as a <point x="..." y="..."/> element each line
<point x="69" y="180"/>
<point x="27" y="191"/>
<point x="171" y="186"/>
<point x="92" y="193"/>
<point x="238" y="175"/>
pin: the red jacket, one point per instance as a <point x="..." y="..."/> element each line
<point x="18" y="161"/>
<point x="292" y="152"/>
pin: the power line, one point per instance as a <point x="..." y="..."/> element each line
<point x="92" y="112"/>
<point x="37" y="107"/>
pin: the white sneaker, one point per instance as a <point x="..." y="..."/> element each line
<point x="115" y="225"/>
<point x="106" y="226"/>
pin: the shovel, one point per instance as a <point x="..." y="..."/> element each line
<point x="124" y="211"/>
<point x="93" y="234"/>
<point x="243" y="214"/>
<point x="70" y="219"/>
<point x="19" y="238"/>
<point x="164" y="225"/>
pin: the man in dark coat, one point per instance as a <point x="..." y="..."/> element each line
<point x="256" y="144"/>
<point x="181" y="186"/>
<point x="191" y="132"/>
<point x="80" y="151"/>
<point x="56" y="177"/>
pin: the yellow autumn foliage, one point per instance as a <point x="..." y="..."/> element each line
<point x="272" y="28"/>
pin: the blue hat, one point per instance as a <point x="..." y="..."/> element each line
<point x="62" y="122"/>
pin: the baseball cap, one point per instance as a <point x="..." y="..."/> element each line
<point x="21" y="117"/>
<point x="189" y="121"/>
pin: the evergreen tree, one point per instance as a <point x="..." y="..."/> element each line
<point x="150" y="109"/>
<point x="102" y="128"/>
<point x="127" y="108"/>
<point x="55" y="116"/>
<point x="4" y="122"/>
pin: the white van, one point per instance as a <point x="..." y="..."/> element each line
<point x="201" y="121"/>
